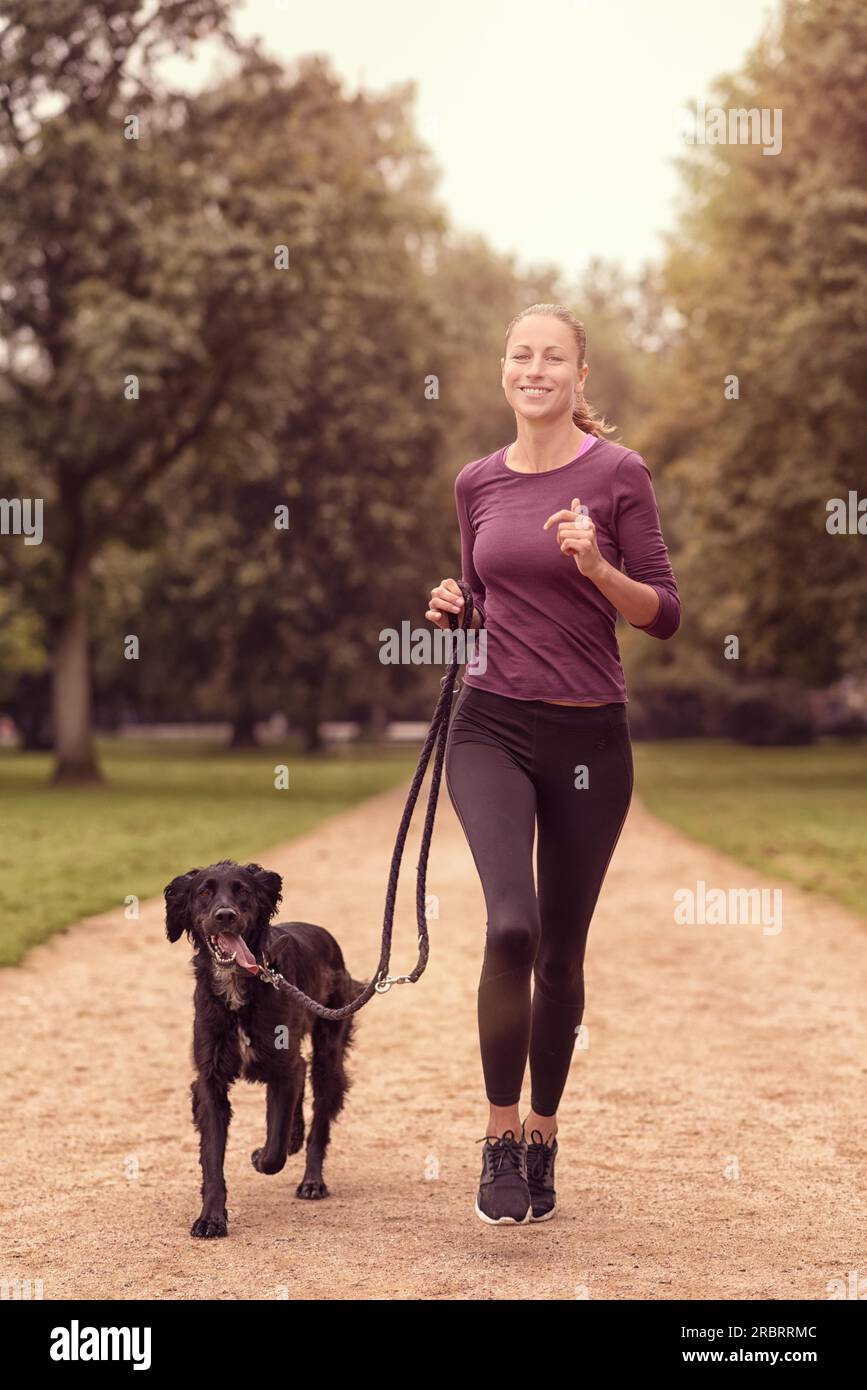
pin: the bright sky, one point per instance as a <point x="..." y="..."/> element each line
<point x="554" y="125"/>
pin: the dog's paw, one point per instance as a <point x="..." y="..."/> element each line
<point x="210" y="1226"/>
<point x="311" y="1190"/>
<point x="258" y="1162"/>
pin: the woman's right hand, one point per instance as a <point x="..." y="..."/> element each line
<point x="444" y="599"/>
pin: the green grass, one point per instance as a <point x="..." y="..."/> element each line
<point x="797" y="813"/>
<point x="70" y="853"/>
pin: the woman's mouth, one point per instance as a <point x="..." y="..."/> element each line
<point x="535" y="391"/>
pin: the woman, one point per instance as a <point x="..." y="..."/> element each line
<point x="539" y="734"/>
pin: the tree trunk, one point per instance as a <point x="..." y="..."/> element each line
<point x="30" y="708"/>
<point x="76" y="763"/>
<point x="377" y="722"/>
<point x="313" y="741"/>
<point x="243" y="731"/>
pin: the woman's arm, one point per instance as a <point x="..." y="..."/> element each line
<point x="647" y="593"/>
<point x="468" y="569"/>
<point x="639" y="603"/>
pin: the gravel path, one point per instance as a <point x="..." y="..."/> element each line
<point x="711" y="1135"/>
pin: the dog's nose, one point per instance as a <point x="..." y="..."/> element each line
<point x="225" y="916"/>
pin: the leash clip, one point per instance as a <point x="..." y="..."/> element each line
<point x="270" y="976"/>
<point x="383" y="986"/>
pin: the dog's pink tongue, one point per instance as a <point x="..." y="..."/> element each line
<point x="243" y="957"/>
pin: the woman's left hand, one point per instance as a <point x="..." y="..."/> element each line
<point x="576" y="536"/>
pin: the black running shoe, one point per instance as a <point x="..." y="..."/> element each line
<point x="540" y="1176"/>
<point x="504" y="1197"/>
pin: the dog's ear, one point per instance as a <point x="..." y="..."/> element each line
<point x="177" y="904"/>
<point x="269" y="886"/>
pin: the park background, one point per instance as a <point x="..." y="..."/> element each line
<point x="155" y="155"/>
<point x="306" y="385"/>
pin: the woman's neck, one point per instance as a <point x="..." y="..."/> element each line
<point x="539" y="448"/>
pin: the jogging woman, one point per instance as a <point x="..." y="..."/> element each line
<point x="539" y="738"/>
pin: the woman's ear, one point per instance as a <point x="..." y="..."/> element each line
<point x="177" y="904"/>
<point x="270" y="886"/>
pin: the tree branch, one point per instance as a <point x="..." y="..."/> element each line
<point x="165" y="458"/>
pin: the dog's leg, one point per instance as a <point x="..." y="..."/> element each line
<point x="283" y="1097"/>
<point x="296" y="1130"/>
<point x="330" y="1084"/>
<point x="211" y="1115"/>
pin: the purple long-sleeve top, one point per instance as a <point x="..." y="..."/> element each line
<point x="549" y="634"/>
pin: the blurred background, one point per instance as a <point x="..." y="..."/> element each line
<point x="257" y="262"/>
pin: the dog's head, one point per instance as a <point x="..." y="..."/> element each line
<point x="224" y="909"/>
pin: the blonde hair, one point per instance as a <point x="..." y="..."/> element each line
<point x="583" y="414"/>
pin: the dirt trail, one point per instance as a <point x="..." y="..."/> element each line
<point x="713" y="1051"/>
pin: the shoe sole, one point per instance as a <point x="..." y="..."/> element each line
<point x="504" y="1220"/>
<point x="545" y="1216"/>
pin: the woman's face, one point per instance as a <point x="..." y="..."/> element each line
<point x="541" y="352"/>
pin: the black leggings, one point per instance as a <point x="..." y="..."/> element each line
<point x="510" y="763"/>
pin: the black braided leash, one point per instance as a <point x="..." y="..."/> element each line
<point x="438" y="733"/>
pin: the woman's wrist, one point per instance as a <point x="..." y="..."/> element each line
<point x="601" y="572"/>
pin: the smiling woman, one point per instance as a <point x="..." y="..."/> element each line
<point x="539" y="740"/>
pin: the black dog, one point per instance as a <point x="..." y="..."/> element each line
<point x="245" y="1027"/>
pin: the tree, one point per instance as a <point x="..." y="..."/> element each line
<point x="766" y="274"/>
<point x="108" y="247"/>
<point x="145" y="315"/>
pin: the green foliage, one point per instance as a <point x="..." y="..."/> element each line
<point x="767" y="273"/>
<point x="259" y="385"/>
<point x="304" y="388"/>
